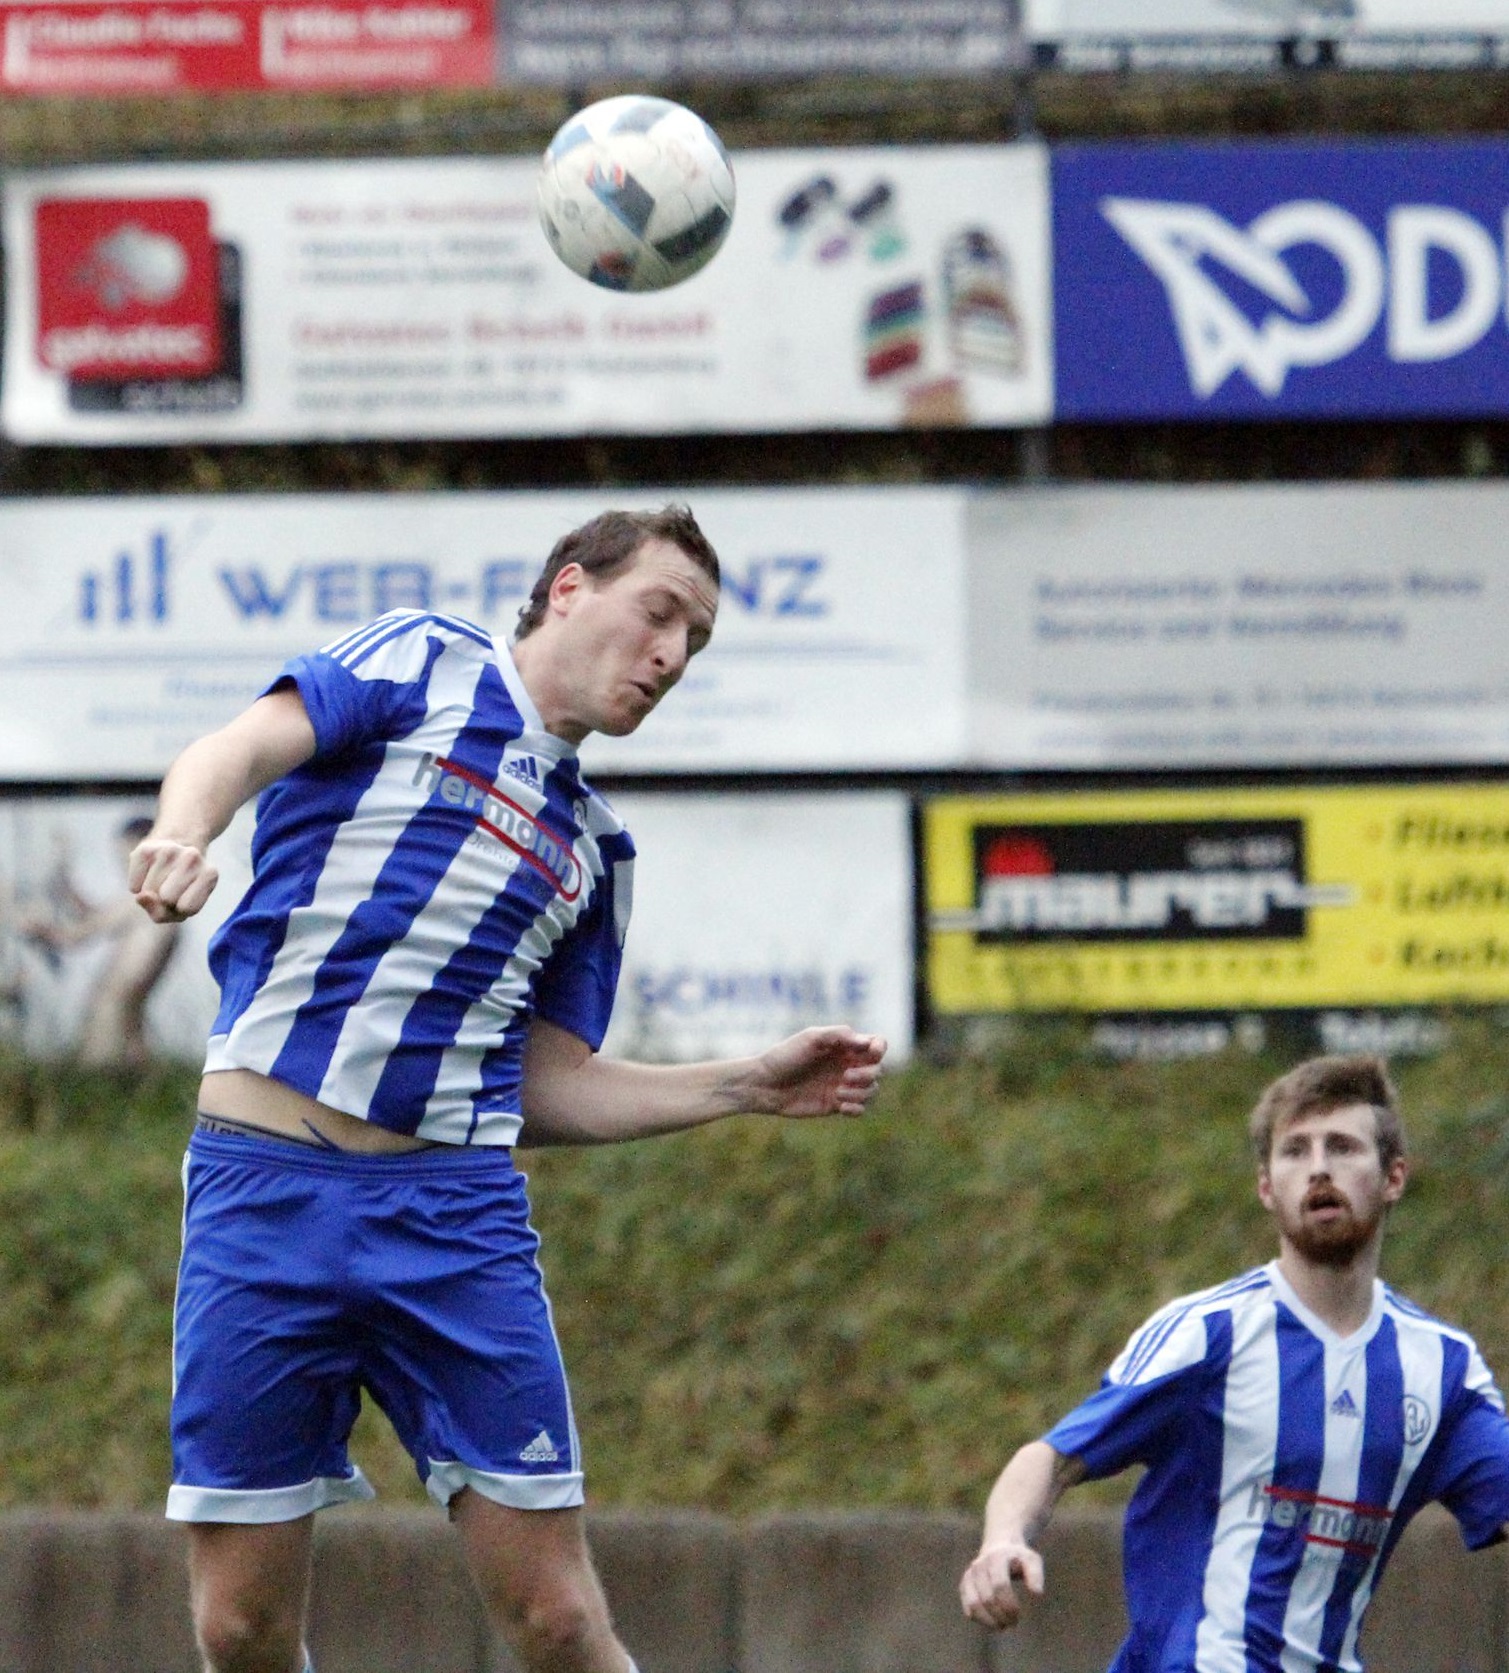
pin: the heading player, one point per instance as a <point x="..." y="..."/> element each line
<point x="1292" y="1421"/>
<point x="419" y="977"/>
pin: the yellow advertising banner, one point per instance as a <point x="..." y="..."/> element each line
<point x="1262" y="899"/>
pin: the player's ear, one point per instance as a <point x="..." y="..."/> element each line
<point x="1264" y="1186"/>
<point x="1395" y="1179"/>
<point x="569" y="580"/>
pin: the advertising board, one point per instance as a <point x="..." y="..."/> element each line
<point x="570" y="46"/>
<point x="1202" y="37"/>
<point x="130" y="626"/>
<point x="863" y="288"/>
<point x="1278" y="625"/>
<point x="754" y="916"/>
<point x="758" y="914"/>
<point x="1218" y="900"/>
<point x="155" y="47"/>
<point x="83" y="971"/>
<point x="1350" y="279"/>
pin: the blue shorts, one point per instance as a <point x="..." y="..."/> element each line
<point x="309" y="1275"/>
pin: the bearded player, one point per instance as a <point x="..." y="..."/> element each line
<point x="1292" y="1421"/>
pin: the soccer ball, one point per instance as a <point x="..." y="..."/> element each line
<point x="636" y="193"/>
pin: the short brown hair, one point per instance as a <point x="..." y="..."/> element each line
<point x="608" y="543"/>
<point x="1322" y="1084"/>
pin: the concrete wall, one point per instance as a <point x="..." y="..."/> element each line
<point x="799" y="1593"/>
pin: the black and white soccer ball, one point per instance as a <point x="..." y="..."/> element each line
<point x="636" y="193"/>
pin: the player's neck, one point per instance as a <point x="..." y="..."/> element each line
<point x="538" y="672"/>
<point x="1341" y="1297"/>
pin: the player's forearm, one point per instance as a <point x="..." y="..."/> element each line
<point x="571" y="1096"/>
<point x="606" y="1101"/>
<point x="1022" y="1500"/>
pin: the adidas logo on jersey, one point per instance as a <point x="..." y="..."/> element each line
<point x="541" y="1450"/>
<point x="1344" y="1405"/>
<point x="523" y="767"/>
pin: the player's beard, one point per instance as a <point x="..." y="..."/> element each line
<point x="1336" y="1242"/>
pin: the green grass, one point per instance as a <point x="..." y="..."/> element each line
<point x="760" y="1315"/>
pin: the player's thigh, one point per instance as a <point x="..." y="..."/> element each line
<point x="528" y="1560"/>
<point x="250" y="1580"/>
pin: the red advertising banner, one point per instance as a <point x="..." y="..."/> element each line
<point x="135" y="46"/>
<point x="128" y="288"/>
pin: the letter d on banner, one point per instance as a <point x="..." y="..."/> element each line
<point x="1414" y="230"/>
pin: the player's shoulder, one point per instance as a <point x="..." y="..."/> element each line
<point x="405" y="634"/>
<point x="1463" y="1365"/>
<point x="1178" y="1334"/>
<point x="1411" y="1319"/>
<point x="1256" y="1284"/>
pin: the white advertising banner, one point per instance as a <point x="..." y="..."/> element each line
<point x="1358" y="624"/>
<point x="863" y="289"/>
<point x="1252" y="18"/>
<point x="83" y="971"/>
<point x="859" y="630"/>
<point x="755" y="915"/>
<point x="630" y="44"/>
<point x="1206" y="35"/>
<point x="130" y="626"/>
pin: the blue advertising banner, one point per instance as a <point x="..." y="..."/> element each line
<point x="1283" y="280"/>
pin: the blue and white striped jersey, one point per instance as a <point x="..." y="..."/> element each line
<point x="433" y="877"/>
<point x="1283" y="1462"/>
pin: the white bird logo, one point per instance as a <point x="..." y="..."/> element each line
<point x="1176" y="239"/>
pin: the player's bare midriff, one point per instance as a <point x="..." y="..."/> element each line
<point x="252" y="1100"/>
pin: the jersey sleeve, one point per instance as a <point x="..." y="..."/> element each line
<point x="372" y="683"/>
<point x="1471" y="1477"/>
<point x="1143" y="1400"/>
<point x="575" y="988"/>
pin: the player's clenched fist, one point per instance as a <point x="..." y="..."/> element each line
<point x="986" y="1590"/>
<point x="171" y="880"/>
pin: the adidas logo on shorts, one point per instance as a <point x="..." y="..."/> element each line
<point x="541" y="1450"/>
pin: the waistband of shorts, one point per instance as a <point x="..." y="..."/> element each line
<point x="292" y="1153"/>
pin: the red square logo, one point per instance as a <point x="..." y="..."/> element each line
<point x="127" y="288"/>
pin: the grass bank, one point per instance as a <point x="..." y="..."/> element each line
<point x="760" y="1315"/>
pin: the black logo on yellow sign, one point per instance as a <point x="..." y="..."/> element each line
<point x="1167" y="880"/>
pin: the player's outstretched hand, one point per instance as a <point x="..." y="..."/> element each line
<point x="821" y="1071"/>
<point x="986" y="1590"/>
<point x="171" y="880"/>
